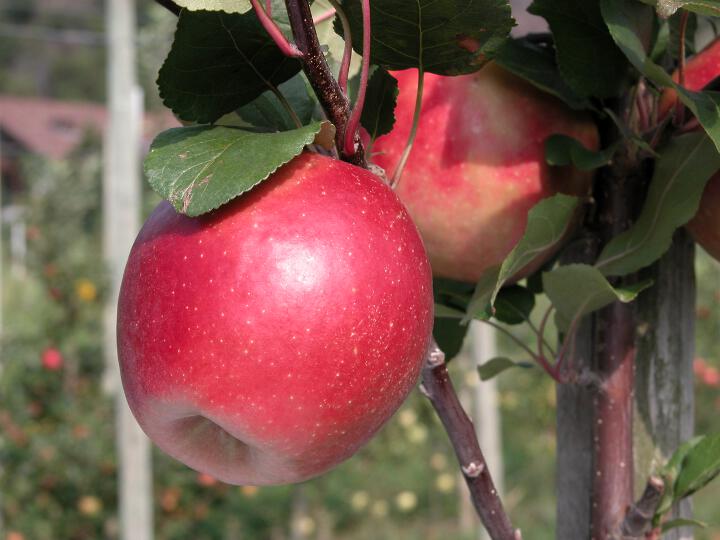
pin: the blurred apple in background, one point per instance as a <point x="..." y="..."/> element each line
<point x="51" y="359"/>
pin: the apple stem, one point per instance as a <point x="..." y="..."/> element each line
<point x="331" y="97"/>
<point x="641" y="513"/>
<point x="347" y="52"/>
<point x="395" y="180"/>
<point x="354" y="122"/>
<point x="438" y="387"/>
<point x="325" y="15"/>
<point x="287" y="48"/>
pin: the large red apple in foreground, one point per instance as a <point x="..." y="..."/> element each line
<point x="267" y="341"/>
<point x="700" y="70"/>
<point x="478" y="164"/>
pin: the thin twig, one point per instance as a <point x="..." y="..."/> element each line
<point x="354" y="121"/>
<point x="287" y="48"/>
<point x="347" y="52"/>
<point x="638" y="519"/>
<point x="438" y="387"/>
<point x="171" y="6"/>
<point x="331" y="97"/>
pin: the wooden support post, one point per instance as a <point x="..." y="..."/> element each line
<point x="486" y="415"/>
<point x="121" y="213"/>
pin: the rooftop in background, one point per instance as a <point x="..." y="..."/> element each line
<point x="54" y="128"/>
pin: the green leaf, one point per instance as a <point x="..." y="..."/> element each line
<point x="268" y="112"/>
<point x="228" y="6"/>
<point x="548" y="222"/>
<point x="378" y="115"/>
<point x="700" y="466"/>
<point x="562" y="150"/>
<point x="673" y="197"/>
<point x="199" y="168"/>
<point x="589" y="61"/>
<point x="682" y="522"/>
<point x="447" y="37"/>
<point x="514" y="304"/>
<point x="578" y="289"/>
<point x="667" y="8"/>
<point x="450" y="335"/>
<point x="669" y="473"/>
<point x="536" y="64"/>
<point x="495" y="366"/>
<point x="701" y="104"/>
<point x="218" y="63"/>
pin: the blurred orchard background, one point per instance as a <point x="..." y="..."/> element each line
<point x="62" y="470"/>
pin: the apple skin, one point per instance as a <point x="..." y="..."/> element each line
<point x="700" y="70"/>
<point x="477" y="166"/>
<point x="267" y="341"/>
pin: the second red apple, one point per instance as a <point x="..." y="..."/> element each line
<point x="478" y="164"/>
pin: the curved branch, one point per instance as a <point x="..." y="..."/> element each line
<point x="438" y="387"/>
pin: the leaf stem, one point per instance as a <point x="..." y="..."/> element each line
<point x="331" y="97"/>
<point x="679" y="107"/>
<point x="325" y="15"/>
<point x="542" y="343"/>
<point x="354" y="122"/>
<point x="438" y="388"/>
<point x="287" y="48"/>
<point x="413" y="131"/>
<point x="347" y="52"/>
<point x="286" y="105"/>
<point x="171" y="6"/>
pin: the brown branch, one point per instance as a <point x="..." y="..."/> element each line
<point x="612" y="427"/>
<point x="438" y="387"/>
<point x="328" y="92"/>
<point x="639" y="516"/>
<point x="618" y="197"/>
<point x="171" y="6"/>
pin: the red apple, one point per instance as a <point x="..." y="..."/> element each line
<point x="700" y="70"/>
<point x="478" y="164"/>
<point x="267" y="341"/>
<point x="51" y="359"/>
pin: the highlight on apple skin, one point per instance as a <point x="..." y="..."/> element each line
<point x="267" y="341"/>
<point x="478" y="165"/>
<point x="700" y="70"/>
